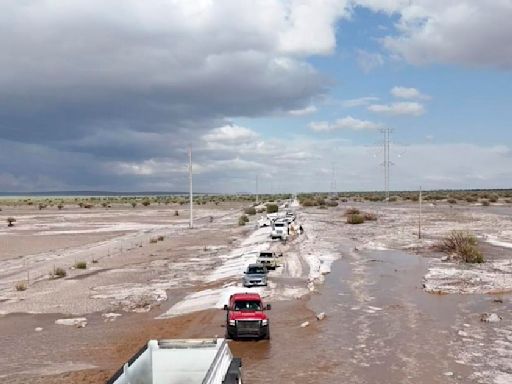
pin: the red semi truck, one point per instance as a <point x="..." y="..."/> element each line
<point x="246" y="317"/>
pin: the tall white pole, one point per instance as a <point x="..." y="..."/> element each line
<point x="191" y="224"/>
<point x="388" y="163"/>
<point x="385" y="132"/>
<point x="419" y="222"/>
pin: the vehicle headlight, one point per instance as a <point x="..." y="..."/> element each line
<point x="264" y="322"/>
<point x="232" y="322"/>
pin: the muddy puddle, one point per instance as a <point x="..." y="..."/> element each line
<point x="381" y="327"/>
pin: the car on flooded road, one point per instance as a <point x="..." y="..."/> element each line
<point x="255" y="275"/>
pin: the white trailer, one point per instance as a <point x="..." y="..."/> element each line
<point x="181" y="361"/>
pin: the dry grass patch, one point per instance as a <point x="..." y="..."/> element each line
<point x="462" y="246"/>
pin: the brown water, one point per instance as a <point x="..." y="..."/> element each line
<point x="381" y="327"/>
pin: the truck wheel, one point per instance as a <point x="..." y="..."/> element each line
<point x="267" y="336"/>
<point x="228" y="335"/>
<point x="234" y="374"/>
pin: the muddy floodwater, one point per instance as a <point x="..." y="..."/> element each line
<point x="395" y="311"/>
<point x="381" y="327"/>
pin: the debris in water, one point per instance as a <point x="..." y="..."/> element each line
<point x="79" y="322"/>
<point x="38" y="329"/>
<point x="490" y="318"/>
<point x="320" y="316"/>
<point x="305" y="324"/>
<point x="110" y="317"/>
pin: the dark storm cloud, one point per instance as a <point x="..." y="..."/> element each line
<point x="130" y="80"/>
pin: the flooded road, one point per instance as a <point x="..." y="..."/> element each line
<point x="381" y="327"/>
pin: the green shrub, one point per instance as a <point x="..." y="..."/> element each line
<point x="308" y="203"/>
<point x="146" y="203"/>
<point x="160" y="238"/>
<point x="21" y="286"/>
<point x="352" y="211"/>
<point x="134" y="204"/>
<point x="272" y="208"/>
<point x="331" y="203"/>
<point x="10" y="221"/>
<point x="471" y="199"/>
<point x="153" y="240"/>
<point x="486" y="203"/>
<point x="462" y="246"/>
<point x="81" y="265"/>
<point x="243" y="219"/>
<point x="250" y="211"/>
<point x="176" y="213"/>
<point x="355" y="219"/>
<point x="58" y="273"/>
<point x="452" y="201"/>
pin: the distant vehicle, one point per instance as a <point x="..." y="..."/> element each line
<point x="279" y="229"/>
<point x="290" y="217"/>
<point x="255" y="275"/>
<point x="269" y="259"/>
<point x="191" y="361"/>
<point x="246" y="317"/>
<point x="264" y="222"/>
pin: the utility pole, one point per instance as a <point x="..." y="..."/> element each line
<point x="191" y="224"/>
<point x="387" y="162"/>
<point x="419" y="221"/>
<point x="333" y="180"/>
<point x="257" y="192"/>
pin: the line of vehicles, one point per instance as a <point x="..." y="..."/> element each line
<point x="282" y="224"/>
<point x="245" y="312"/>
<point x="210" y="361"/>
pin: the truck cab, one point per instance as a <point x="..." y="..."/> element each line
<point x="269" y="259"/>
<point x="279" y="229"/>
<point x="246" y="317"/>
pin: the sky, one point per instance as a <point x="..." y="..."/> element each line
<point x="108" y="95"/>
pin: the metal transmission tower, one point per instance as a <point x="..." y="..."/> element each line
<point x="387" y="163"/>
<point x="191" y="223"/>
<point x="333" y="180"/>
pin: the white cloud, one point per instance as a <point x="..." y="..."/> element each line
<point x="369" y="61"/>
<point x="345" y="123"/>
<point x="231" y="134"/>
<point x="310" y="26"/>
<point x="408" y="93"/>
<point x="434" y="166"/>
<point x="359" y="102"/>
<point x="310" y="109"/>
<point x="468" y="32"/>
<point x="397" y="109"/>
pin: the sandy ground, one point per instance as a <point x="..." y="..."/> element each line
<point x="383" y="323"/>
